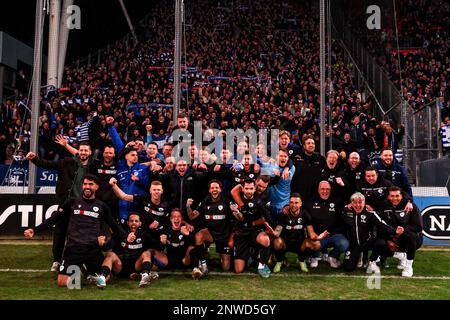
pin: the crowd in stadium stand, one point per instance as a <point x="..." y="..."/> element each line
<point x="247" y="66"/>
<point x="423" y="40"/>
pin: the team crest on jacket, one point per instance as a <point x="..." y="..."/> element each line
<point x="95" y="209"/>
<point x="220" y="207"/>
<point x="138" y="240"/>
<point x="250" y="204"/>
<point x="402" y="214"/>
<point x="291" y="152"/>
<point x="251" y="175"/>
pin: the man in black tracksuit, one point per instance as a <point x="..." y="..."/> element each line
<point x="180" y="185"/>
<point x="178" y="242"/>
<point x="354" y="173"/>
<point x="308" y="167"/>
<point x="250" y="229"/>
<point x="105" y="169"/>
<point x="411" y="239"/>
<point x="132" y="255"/>
<point x="335" y="175"/>
<point x="214" y="210"/>
<point x="85" y="215"/>
<point x="154" y="212"/>
<point x="360" y="224"/>
<point x="374" y="188"/>
<point x="290" y="234"/>
<point x="326" y="215"/>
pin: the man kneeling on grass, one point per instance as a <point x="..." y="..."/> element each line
<point x="85" y="215"/>
<point x="360" y="225"/>
<point x="130" y="257"/>
<point x="290" y="236"/>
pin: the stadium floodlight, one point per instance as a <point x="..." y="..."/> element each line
<point x="36" y="94"/>
<point x="177" y="60"/>
<point x="322" y="77"/>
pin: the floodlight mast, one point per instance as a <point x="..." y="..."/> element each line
<point x="36" y="94"/>
<point x="177" y="60"/>
<point x="322" y="77"/>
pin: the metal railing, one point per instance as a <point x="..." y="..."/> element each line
<point x="422" y="125"/>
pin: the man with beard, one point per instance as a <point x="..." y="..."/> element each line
<point x="131" y="255"/>
<point x="105" y="169"/>
<point x="389" y="169"/>
<point x="85" y="215"/>
<point x="308" y="167"/>
<point x="182" y="134"/>
<point x="290" y="235"/>
<point x="70" y="181"/>
<point x="262" y="184"/>
<point x="411" y="239"/>
<point x="215" y="210"/>
<point x="250" y="230"/>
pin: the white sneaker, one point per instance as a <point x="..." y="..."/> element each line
<point x="204" y="269"/>
<point x="145" y="280"/>
<point x="408" y="270"/>
<point x="153" y="275"/>
<point x="55" y="266"/>
<point x="314" y="263"/>
<point x="98" y="279"/>
<point x="360" y="261"/>
<point x="373" y="268"/>
<point x="401" y="256"/>
<point x="334" y="263"/>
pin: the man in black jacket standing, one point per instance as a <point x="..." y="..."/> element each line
<point x="308" y="167"/>
<point x="70" y="180"/>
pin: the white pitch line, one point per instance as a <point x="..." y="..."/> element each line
<point x="278" y="275"/>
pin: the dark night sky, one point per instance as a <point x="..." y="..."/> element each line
<point x="102" y="22"/>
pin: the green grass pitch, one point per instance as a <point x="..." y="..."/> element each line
<point x="431" y="281"/>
